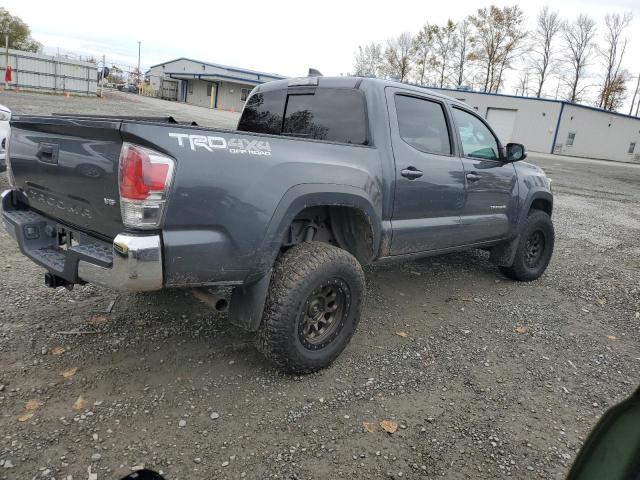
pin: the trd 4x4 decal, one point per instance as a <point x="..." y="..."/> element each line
<point x="233" y="145"/>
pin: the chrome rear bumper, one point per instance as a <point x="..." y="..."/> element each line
<point x="136" y="266"/>
<point x="132" y="262"/>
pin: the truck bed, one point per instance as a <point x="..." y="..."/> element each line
<point x="230" y="198"/>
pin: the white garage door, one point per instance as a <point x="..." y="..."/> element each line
<point x="502" y="121"/>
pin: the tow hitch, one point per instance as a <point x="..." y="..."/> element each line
<point x="54" y="281"/>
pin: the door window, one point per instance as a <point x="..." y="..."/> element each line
<point x="422" y="124"/>
<point x="477" y="139"/>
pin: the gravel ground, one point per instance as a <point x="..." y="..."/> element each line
<point x="486" y="378"/>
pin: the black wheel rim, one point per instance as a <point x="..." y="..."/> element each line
<point x="534" y="249"/>
<point x="323" y="314"/>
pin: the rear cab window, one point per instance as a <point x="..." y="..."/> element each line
<point x="263" y="112"/>
<point x="330" y="114"/>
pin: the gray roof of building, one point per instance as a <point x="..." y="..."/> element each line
<point x="226" y="67"/>
<point x="536" y="99"/>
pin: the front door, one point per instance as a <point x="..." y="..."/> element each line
<point x="491" y="200"/>
<point x="429" y="177"/>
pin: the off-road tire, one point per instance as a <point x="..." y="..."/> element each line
<point x="524" y="268"/>
<point x="298" y="273"/>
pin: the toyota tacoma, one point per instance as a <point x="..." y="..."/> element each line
<point x="322" y="176"/>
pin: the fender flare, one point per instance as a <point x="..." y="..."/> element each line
<point x="533" y="195"/>
<point x="248" y="300"/>
<point x="302" y="196"/>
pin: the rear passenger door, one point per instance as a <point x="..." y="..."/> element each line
<point x="429" y="177"/>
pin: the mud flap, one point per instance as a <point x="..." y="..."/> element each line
<point x="247" y="303"/>
<point x="504" y="254"/>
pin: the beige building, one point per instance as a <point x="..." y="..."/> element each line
<point x="206" y="84"/>
<point x="555" y="126"/>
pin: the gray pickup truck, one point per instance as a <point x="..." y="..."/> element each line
<point x="321" y="176"/>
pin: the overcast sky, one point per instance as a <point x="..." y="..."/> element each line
<point x="282" y="37"/>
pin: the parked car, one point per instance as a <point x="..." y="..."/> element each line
<point x="5" y="116"/>
<point x="322" y="176"/>
<point x="128" y="87"/>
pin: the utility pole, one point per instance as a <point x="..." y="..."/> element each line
<point x="635" y="94"/>
<point x="102" y="77"/>
<point x="139" y="64"/>
<point x="6" y="61"/>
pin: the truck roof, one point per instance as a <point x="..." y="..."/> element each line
<point x="355" y="82"/>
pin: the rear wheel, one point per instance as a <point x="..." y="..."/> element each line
<point x="534" y="249"/>
<point x="313" y="307"/>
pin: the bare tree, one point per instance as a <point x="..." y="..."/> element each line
<point x="499" y="35"/>
<point x="614" y="84"/>
<point x="491" y="37"/>
<point x="548" y="27"/>
<point x="369" y="61"/>
<point x="514" y="24"/>
<point x="635" y="94"/>
<point x="397" y="57"/>
<point x="422" y="51"/>
<point x="445" y="44"/>
<point x="360" y="62"/>
<point x="464" y="52"/>
<point x="523" y="83"/>
<point x="578" y="39"/>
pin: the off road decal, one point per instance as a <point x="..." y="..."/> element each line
<point x="241" y="146"/>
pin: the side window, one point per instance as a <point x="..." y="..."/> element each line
<point x="477" y="139"/>
<point x="422" y="124"/>
<point x="333" y="114"/>
<point x="263" y="112"/>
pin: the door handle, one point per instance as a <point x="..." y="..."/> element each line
<point x="473" y="177"/>
<point x="47" y="153"/>
<point x="411" y="173"/>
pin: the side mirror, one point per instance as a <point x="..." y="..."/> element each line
<point x="612" y="450"/>
<point x="516" y="152"/>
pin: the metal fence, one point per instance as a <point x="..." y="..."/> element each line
<point x="46" y="73"/>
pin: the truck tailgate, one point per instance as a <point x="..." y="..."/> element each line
<point x="67" y="169"/>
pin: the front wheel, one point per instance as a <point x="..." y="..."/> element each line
<point x="312" y="308"/>
<point x="534" y="249"/>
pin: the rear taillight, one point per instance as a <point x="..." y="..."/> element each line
<point x="145" y="179"/>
